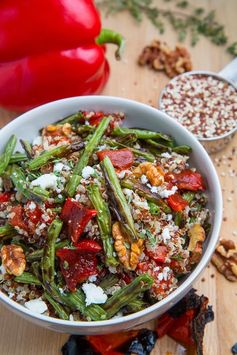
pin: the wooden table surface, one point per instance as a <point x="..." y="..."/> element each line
<point x="17" y="336"/>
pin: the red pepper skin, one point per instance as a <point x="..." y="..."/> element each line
<point x="88" y="246"/>
<point x="35" y="214"/>
<point x="34" y="80"/>
<point x="181" y="329"/>
<point x="5" y="196"/>
<point x="187" y="180"/>
<point x="52" y="25"/>
<point x="165" y="322"/>
<point x="158" y="254"/>
<point x="120" y="158"/>
<point x="76" y="217"/>
<point x="177" y="202"/>
<point x="77" y="265"/>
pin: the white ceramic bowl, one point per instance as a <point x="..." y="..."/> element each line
<point x="137" y="115"/>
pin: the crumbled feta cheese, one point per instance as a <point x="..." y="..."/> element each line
<point x="166" y="235"/>
<point x="92" y="278"/>
<point x="87" y="172"/>
<point x="169" y="217"/>
<point x="166" y="193"/>
<point x="112" y="269"/>
<point x="160" y="276"/>
<point x="154" y="189"/>
<point x="11" y="294"/>
<point x="166" y="155"/>
<point x="58" y="167"/>
<point x="94" y="294"/>
<point x="46" y="181"/>
<point x="128" y="192"/>
<point x="144" y="179"/>
<point x="71" y="317"/>
<point x="38" y="140"/>
<point x="122" y="173"/>
<point x="37" y="305"/>
<point x="138" y="202"/>
<point x="32" y="205"/>
<point x="118" y="315"/>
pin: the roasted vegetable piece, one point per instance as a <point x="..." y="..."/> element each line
<point x="6" y="230"/>
<point x="144" y="191"/>
<point x="48" y="156"/>
<point x="37" y="254"/>
<point x="140" y="133"/>
<point x="143" y="343"/>
<point x="157" y="253"/>
<point x="120" y="158"/>
<point x="58" y="308"/>
<point x="104" y="222"/>
<point x="48" y="259"/>
<point x="28" y="278"/>
<point x="7" y="154"/>
<point x="78" y="264"/>
<point x="17" y="218"/>
<point x="186" y="180"/>
<point x="78" y="344"/>
<point x="5" y="197"/>
<point x="76" y="216"/>
<point x="89" y="149"/>
<point x="123" y="296"/>
<point x="186" y="321"/>
<point x="17" y="157"/>
<point x="196" y="238"/>
<point x="176" y="202"/>
<point x="118" y="200"/>
<point x="128" y="257"/>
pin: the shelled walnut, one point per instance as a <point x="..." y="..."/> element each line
<point x="160" y="57"/>
<point x="225" y="259"/>
<point x="13" y="259"/>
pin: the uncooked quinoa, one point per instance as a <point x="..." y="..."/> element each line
<point x="204" y="104"/>
<point x="96" y="220"/>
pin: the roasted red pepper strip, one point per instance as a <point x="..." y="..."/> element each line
<point x="120" y="158"/>
<point x="17" y="218"/>
<point x="181" y="331"/>
<point x="76" y="217"/>
<point x="78" y="264"/>
<point x="5" y="196"/>
<point x="158" y="253"/>
<point x="51" y="49"/>
<point x="88" y="245"/>
<point x="187" y="180"/>
<point x="177" y="202"/>
<point x="33" y="212"/>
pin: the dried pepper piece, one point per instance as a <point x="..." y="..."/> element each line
<point x="196" y="238"/>
<point x="120" y="158"/>
<point x="186" y="180"/>
<point x="5" y="197"/>
<point x="80" y="263"/>
<point x="76" y="217"/>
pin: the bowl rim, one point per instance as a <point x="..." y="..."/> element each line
<point x="187" y="283"/>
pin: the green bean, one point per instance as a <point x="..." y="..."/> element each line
<point x="58" y="308"/>
<point x="36" y="269"/>
<point x="27" y="148"/>
<point x="140" y="133"/>
<point x="6" y="230"/>
<point x="164" y="146"/>
<point x="154" y="208"/>
<point x="17" y="158"/>
<point x="76" y="301"/>
<point x="144" y="191"/>
<point x="125" y="295"/>
<point x="38" y="254"/>
<point x="84" y="159"/>
<point x="136" y="305"/>
<point x="109" y="281"/>
<point x="48" y="156"/>
<point x="182" y="149"/>
<point x="28" y="278"/>
<point x="48" y="259"/>
<point x="178" y="218"/>
<point x="104" y="222"/>
<point x="85" y="129"/>
<point x="19" y="180"/>
<point x="7" y="154"/>
<point x="117" y="199"/>
<point x="72" y="118"/>
<point x="148" y="156"/>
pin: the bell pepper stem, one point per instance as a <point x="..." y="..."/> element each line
<point x="109" y="36"/>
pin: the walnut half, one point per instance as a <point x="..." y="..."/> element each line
<point x="225" y="259"/>
<point x="13" y="259"/>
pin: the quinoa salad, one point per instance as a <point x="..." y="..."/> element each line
<point x="98" y="220"/>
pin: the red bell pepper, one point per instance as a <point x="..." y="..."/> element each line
<point x="51" y="49"/>
<point x="177" y="202"/>
<point x="80" y="263"/>
<point x="186" y="180"/>
<point x="5" y="196"/>
<point x="120" y="158"/>
<point x="158" y="253"/>
<point x="76" y="217"/>
<point x="17" y="218"/>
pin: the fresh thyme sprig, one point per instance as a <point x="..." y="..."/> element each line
<point x="184" y="19"/>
